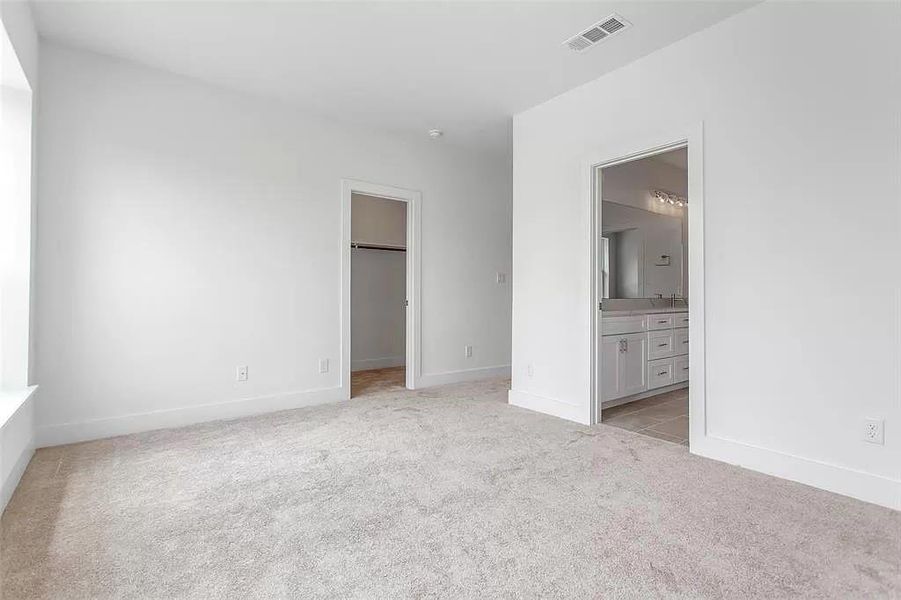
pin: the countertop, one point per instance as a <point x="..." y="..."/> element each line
<point x="643" y="311"/>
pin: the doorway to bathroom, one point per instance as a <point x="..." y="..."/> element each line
<point x="643" y="289"/>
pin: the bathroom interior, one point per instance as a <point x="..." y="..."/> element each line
<point x="643" y="283"/>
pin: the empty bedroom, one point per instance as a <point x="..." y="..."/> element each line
<point x="479" y="299"/>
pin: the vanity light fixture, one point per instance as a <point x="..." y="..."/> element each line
<point x="667" y="198"/>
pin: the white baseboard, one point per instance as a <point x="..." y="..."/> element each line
<point x="17" y="439"/>
<point x="15" y="475"/>
<point x="841" y="480"/>
<point x="69" y="433"/>
<point x="385" y="362"/>
<point x="462" y="376"/>
<point x="549" y="406"/>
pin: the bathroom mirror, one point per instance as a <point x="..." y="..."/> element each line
<point x="642" y="253"/>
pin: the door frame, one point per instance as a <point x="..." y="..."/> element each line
<point x="413" y="335"/>
<point x="627" y="150"/>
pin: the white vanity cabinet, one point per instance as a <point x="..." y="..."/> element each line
<point x="624" y="370"/>
<point x="641" y="353"/>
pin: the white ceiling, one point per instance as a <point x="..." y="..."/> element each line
<point x="464" y="67"/>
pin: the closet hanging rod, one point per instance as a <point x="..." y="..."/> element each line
<point x="377" y="247"/>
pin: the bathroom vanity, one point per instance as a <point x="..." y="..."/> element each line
<point x="643" y="287"/>
<point x="643" y="353"/>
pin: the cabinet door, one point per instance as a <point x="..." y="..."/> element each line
<point x="611" y="346"/>
<point x="633" y="373"/>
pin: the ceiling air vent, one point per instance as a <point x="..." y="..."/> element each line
<point x="597" y="33"/>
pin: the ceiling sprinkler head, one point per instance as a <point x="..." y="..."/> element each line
<point x="435" y="133"/>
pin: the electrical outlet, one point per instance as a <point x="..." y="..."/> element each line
<point x="467" y="351"/>
<point x="241" y="373"/>
<point x="874" y="431"/>
<point x="323" y="365"/>
<point x="501" y="277"/>
<point x="530" y="370"/>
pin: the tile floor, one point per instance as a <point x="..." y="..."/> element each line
<point x="664" y="416"/>
<point x="377" y="380"/>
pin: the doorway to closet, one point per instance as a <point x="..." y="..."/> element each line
<point x="380" y="288"/>
<point x="378" y="294"/>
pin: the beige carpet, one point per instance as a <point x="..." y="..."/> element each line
<point x="446" y="492"/>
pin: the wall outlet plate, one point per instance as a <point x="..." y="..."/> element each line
<point x="874" y="431"/>
<point x="323" y="365"/>
<point x="241" y="373"/>
<point x="467" y="351"/>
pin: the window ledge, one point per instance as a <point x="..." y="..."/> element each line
<point x="12" y="400"/>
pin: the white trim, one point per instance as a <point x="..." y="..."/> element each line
<point x="15" y="475"/>
<point x="636" y="147"/>
<point x="14" y="403"/>
<point x="69" y="433"/>
<point x="433" y="379"/>
<point x="549" y="406"/>
<point x="366" y="364"/>
<point x="834" y="478"/>
<point x="414" y="273"/>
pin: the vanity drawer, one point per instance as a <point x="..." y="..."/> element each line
<point x="680" y="366"/>
<point x="680" y="320"/>
<point x="622" y="325"/>
<point x="660" y="373"/>
<point x="660" y="344"/>
<point x="680" y="341"/>
<point x="662" y="321"/>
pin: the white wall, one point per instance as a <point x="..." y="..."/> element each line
<point x="378" y="317"/>
<point x="378" y="283"/>
<point x="801" y="149"/>
<point x="19" y="88"/>
<point x="186" y="230"/>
